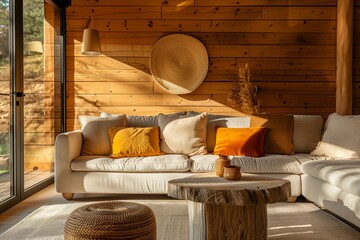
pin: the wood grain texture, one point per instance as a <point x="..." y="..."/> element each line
<point x="236" y="222"/>
<point x="290" y="46"/>
<point x="211" y="189"/>
<point x="222" y="209"/>
<point x="344" y="58"/>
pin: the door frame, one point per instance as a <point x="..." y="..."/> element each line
<point x="16" y="140"/>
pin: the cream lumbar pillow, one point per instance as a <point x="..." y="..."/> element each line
<point x="332" y="150"/>
<point x="183" y="134"/>
<point x="95" y="135"/>
<point x="341" y="137"/>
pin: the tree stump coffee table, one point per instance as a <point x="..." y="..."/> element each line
<point x="223" y="209"/>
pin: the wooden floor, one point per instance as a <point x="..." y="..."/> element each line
<point x="50" y="196"/>
<point x="31" y="177"/>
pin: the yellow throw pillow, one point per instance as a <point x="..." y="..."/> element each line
<point x="134" y="142"/>
<point x="240" y="141"/>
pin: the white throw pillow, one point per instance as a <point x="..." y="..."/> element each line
<point x="307" y="132"/>
<point x="96" y="139"/>
<point x="183" y="134"/>
<point x="332" y="150"/>
<point x="341" y="137"/>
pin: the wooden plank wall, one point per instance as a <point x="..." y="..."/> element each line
<point x="290" y="46"/>
<point x="356" y="58"/>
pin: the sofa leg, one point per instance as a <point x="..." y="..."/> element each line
<point x="292" y="199"/>
<point x="68" y="196"/>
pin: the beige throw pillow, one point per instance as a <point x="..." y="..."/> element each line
<point x="332" y="150"/>
<point x="183" y="134"/>
<point x="341" y="137"/>
<point x="84" y="119"/>
<point x="96" y="139"/>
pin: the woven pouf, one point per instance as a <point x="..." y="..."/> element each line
<point x="111" y="220"/>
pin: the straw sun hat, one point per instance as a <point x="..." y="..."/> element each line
<point x="179" y="63"/>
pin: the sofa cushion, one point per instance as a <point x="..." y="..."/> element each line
<point x="334" y="151"/>
<point x="84" y="119"/>
<point x="344" y="174"/>
<point x="240" y="141"/>
<point x="279" y="133"/>
<point x="307" y="132"/>
<point x="272" y="163"/>
<point x="135" y="121"/>
<point x="135" y="141"/>
<point x="306" y="157"/>
<point x="96" y="139"/>
<point x="183" y="134"/>
<point x="342" y="133"/>
<point x="203" y="163"/>
<point x="142" y="121"/>
<point x="139" y="120"/>
<point x="163" y="163"/>
<point x="266" y="164"/>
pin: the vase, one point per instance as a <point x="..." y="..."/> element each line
<point x="232" y="172"/>
<point x="220" y="163"/>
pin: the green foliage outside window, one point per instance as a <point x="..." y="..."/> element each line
<point x="33" y="23"/>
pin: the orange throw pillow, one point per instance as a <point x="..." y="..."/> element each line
<point x="240" y="141"/>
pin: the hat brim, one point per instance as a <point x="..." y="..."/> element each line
<point x="179" y="63"/>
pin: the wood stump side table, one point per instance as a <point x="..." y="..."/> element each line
<point x="222" y="209"/>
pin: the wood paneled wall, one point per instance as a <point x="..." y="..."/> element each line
<point x="356" y="58"/>
<point x="290" y="46"/>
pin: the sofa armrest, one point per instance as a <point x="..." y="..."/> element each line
<point x="67" y="147"/>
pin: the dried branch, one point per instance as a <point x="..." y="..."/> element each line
<point x="243" y="93"/>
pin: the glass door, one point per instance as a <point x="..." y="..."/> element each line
<point x="31" y="90"/>
<point x="6" y="160"/>
<point x="42" y="89"/>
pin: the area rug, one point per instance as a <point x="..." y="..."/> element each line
<point x="286" y="221"/>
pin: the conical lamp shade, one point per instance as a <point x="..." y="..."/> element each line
<point x="33" y="48"/>
<point x="91" y="42"/>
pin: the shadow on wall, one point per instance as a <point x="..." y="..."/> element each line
<point x="124" y="84"/>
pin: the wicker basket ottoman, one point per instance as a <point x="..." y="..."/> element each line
<point x="111" y="220"/>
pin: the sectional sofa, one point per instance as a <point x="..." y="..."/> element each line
<point x="323" y="166"/>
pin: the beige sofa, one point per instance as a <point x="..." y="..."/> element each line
<point x="76" y="173"/>
<point x="335" y="184"/>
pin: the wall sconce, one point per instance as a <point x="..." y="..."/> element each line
<point x="33" y="48"/>
<point x="91" y="42"/>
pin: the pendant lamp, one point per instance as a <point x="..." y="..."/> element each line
<point x="91" y="42"/>
<point x="33" y="48"/>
